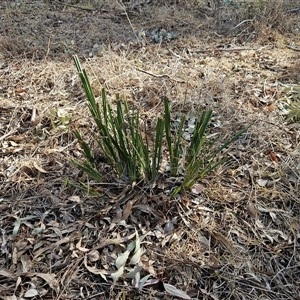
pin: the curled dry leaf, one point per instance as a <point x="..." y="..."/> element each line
<point x="252" y="210"/>
<point x="75" y="198"/>
<point x="93" y="256"/>
<point x="259" y="224"/>
<point x="39" y="168"/>
<point x="218" y="236"/>
<point x="127" y="210"/>
<point x="82" y="249"/>
<point x="274" y="157"/>
<point x="50" y="279"/>
<point x="94" y="270"/>
<point x="262" y="182"/>
<point x="169" y="239"/>
<point x="20" y="90"/>
<point x="147" y="265"/>
<point x="119" y="241"/>
<point x="197" y="189"/>
<point x="271" y="107"/>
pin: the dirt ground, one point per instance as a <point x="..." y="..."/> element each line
<point x="237" y="236"/>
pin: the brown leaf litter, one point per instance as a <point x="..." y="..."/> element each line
<point x="235" y="235"/>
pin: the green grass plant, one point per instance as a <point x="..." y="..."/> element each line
<point x="120" y="138"/>
<point x="126" y="146"/>
<point x="200" y="158"/>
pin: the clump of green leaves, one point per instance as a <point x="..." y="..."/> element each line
<point x="120" y="138"/>
<point x="126" y="146"/>
<point x="198" y="158"/>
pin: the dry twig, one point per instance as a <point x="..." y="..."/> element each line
<point x="160" y="75"/>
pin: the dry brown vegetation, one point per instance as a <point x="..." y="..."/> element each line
<point x="237" y="236"/>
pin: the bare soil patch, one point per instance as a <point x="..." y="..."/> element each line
<point x="238" y="238"/>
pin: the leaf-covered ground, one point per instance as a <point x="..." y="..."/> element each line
<point x="236" y="235"/>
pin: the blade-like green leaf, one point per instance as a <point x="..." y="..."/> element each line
<point x="232" y="140"/>
<point x="198" y="138"/>
<point x="83" y="187"/>
<point x="87" y="151"/>
<point x="157" y="151"/>
<point x="89" y="169"/>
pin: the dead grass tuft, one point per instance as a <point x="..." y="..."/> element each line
<point x="252" y="20"/>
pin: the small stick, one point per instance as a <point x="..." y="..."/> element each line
<point x="160" y="76"/>
<point x="294" y="10"/>
<point x="230" y="49"/>
<point x="4" y="136"/>
<point x="48" y="49"/>
<point x="74" y="6"/>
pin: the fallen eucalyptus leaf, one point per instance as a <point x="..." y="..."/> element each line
<point x="36" y="231"/>
<point x="122" y="258"/>
<point x="151" y="281"/>
<point x="93" y="255"/>
<point x="7" y="273"/>
<point x="10" y="298"/>
<point x="134" y="271"/>
<point x="31" y="293"/>
<point x="142" y="282"/>
<point x="136" y="257"/>
<point x="252" y="209"/>
<point x="262" y="182"/>
<point x="172" y="290"/>
<point x="18" y="223"/>
<point x="116" y="275"/>
<point x="94" y="270"/>
<point x="49" y="278"/>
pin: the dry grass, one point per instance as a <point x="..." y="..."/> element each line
<point x="237" y="239"/>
